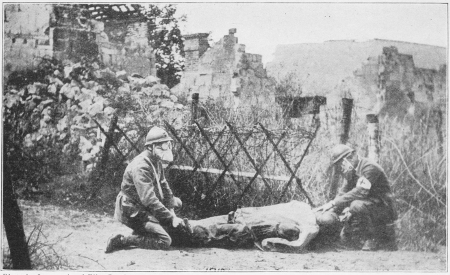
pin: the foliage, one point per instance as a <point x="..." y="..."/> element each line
<point x="165" y="37"/>
<point x="43" y="255"/>
<point x="59" y="107"/>
<point x="410" y="154"/>
<point x="288" y="86"/>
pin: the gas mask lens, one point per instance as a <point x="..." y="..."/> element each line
<point x="165" y="146"/>
<point x="164" y="151"/>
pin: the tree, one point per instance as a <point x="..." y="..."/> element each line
<point x="165" y="37"/>
<point x="12" y="220"/>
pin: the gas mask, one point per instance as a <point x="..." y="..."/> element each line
<point x="346" y="166"/>
<point x="164" y="151"/>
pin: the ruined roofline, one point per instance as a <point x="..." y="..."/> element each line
<point x="398" y="41"/>
<point x="354" y="41"/>
<point x="196" y="35"/>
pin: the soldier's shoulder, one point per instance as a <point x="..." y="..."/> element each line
<point x="370" y="165"/>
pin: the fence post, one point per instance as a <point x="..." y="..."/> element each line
<point x="316" y="112"/>
<point x="374" y="137"/>
<point x="97" y="175"/>
<point x="347" y="106"/>
<point x="439" y="132"/>
<point x="194" y="107"/>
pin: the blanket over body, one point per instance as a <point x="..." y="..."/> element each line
<point x="285" y="227"/>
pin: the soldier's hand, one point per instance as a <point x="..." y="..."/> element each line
<point x="327" y="206"/>
<point x="177" y="222"/>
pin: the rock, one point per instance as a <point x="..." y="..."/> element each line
<point x="96" y="108"/>
<point x="147" y="91"/>
<point x="167" y="104"/>
<point x="173" y="98"/>
<point x="158" y="113"/>
<point x="122" y="75"/>
<point x="166" y="93"/>
<point x="152" y="108"/>
<point x="151" y="80"/>
<point x="179" y="106"/>
<point x="109" y="111"/>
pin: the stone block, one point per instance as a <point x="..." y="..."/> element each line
<point x="205" y="79"/>
<point x="221" y="79"/>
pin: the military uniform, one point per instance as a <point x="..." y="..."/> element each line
<point x="145" y="201"/>
<point x="368" y="190"/>
<point x="368" y="195"/>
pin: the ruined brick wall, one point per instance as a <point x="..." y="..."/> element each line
<point x="55" y="30"/>
<point x="26" y="35"/>
<point x="224" y="71"/>
<point x="400" y="83"/>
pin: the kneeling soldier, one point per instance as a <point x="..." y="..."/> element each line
<point x="367" y="194"/>
<point x="146" y="203"/>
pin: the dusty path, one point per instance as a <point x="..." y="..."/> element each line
<point x="81" y="236"/>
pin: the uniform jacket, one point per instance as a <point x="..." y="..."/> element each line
<point x="369" y="182"/>
<point x="140" y="191"/>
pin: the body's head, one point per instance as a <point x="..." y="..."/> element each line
<point x="159" y="143"/>
<point x="345" y="158"/>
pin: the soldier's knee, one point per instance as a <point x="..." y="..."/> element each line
<point x="358" y="207"/>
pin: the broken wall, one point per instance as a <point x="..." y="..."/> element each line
<point x="224" y="71"/>
<point x="400" y="83"/>
<point x="67" y="31"/>
<point x="26" y="38"/>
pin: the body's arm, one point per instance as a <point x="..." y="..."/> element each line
<point x="307" y="233"/>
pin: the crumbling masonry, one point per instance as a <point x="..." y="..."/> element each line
<point x="225" y="71"/>
<point x="65" y="31"/>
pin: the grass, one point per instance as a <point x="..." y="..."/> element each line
<point x="409" y="154"/>
<point x="43" y="255"/>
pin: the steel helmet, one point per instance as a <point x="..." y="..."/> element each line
<point x="155" y="135"/>
<point x="340" y="151"/>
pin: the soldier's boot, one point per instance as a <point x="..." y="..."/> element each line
<point x="388" y="237"/>
<point x="371" y="242"/>
<point x="115" y="243"/>
<point x="370" y="245"/>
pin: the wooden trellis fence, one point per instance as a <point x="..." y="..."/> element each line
<point x="254" y="160"/>
<point x="219" y="145"/>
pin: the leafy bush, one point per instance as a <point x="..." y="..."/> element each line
<point x="61" y="107"/>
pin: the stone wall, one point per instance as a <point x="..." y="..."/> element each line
<point x="26" y="35"/>
<point x="224" y="71"/>
<point x="400" y="83"/>
<point x="67" y="32"/>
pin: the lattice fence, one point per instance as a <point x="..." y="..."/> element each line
<point x="216" y="169"/>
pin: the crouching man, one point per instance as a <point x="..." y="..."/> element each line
<point x="146" y="203"/>
<point x="365" y="196"/>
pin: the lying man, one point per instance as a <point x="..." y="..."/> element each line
<point x="285" y="227"/>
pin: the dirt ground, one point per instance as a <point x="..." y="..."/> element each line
<point x="80" y="237"/>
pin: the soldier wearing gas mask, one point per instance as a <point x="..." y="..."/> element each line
<point x="146" y="203"/>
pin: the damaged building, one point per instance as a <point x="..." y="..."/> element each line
<point x="116" y="34"/>
<point x="400" y="84"/>
<point x="225" y="71"/>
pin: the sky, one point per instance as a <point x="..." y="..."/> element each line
<point x="263" y="26"/>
